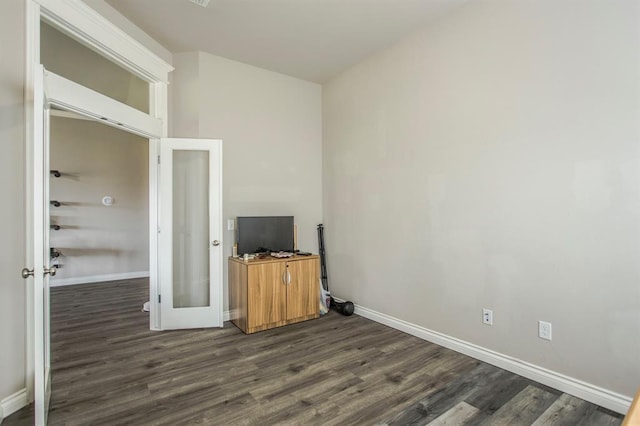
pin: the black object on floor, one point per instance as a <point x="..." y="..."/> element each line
<point x="345" y="308"/>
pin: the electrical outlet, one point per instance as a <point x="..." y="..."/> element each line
<point x="544" y="330"/>
<point x="487" y="316"/>
<point x="231" y="224"/>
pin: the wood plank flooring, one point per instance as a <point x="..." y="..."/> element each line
<point x="109" y="369"/>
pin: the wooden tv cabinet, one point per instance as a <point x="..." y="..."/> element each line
<point x="271" y="292"/>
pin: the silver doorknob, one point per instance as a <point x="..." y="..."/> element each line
<point x="51" y="271"/>
<point x="215" y="243"/>
<point x="26" y="273"/>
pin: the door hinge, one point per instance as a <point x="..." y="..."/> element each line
<point x="158" y="159"/>
<point x="159" y="299"/>
<point x="158" y="229"/>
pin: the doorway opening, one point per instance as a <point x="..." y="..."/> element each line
<point x="98" y="205"/>
<point x="99" y="202"/>
<point x="99" y="187"/>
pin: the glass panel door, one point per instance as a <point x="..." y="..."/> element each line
<point x="190" y="234"/>
<point x="191" y="229"/>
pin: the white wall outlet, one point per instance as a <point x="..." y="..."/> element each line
<point x="487" y="316"/>
<point x="231" y="224"/>
<point x="544" y="330"/>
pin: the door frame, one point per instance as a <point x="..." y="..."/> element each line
<point x="78" y="20"/>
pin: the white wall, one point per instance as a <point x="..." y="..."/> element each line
<point x="12" y="210"/>
<point x="97" y="160"/>
<point x="184" y="96"/>
<point x="122" y="22"/>
<point x="270" y="125"/>
<point x="492" y="160"/>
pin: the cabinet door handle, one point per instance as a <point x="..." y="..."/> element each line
<point x="284" y="274"/>
<point x="288" y="277"/>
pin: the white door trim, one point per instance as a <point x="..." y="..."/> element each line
<point x="154" y="224"/>
<point x="158" y="102"/>
<point x="77" y="98"/>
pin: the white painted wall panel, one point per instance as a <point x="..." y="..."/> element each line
<point x="97" y="160"/>
<point x="492" y="160"/>
<point x="12" y="213"/>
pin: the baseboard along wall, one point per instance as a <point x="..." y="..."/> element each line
<point x="58" y="282"/>
<point x="594" y="394"/>
<point x="12" y="403"/>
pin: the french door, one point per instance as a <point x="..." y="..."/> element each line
<point x="188" y="182"/>
<point x="38" y="248"/>
<point x="190" y="234"/>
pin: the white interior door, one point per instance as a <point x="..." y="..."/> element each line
<point x="190" y="234"/>
<point x="38" y="243"/>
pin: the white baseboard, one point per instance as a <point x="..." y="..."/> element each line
<point x="226" y="316"/>
<point x="58" y="282"/>
<point x="597" y="395"/>
<point x="13" y="403"/>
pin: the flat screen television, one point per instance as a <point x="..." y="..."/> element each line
<point x="264" y="234"/>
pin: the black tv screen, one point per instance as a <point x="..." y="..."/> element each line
<point x="265" y="233"/>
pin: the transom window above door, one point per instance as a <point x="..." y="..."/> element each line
<point x="72" y="60"/>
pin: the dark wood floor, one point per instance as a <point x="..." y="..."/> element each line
<point x="108" y="368"/>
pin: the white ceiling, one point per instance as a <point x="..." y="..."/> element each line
<point x="310" y="39"/>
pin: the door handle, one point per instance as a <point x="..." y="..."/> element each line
<point x="286" y="276"/>
<point x="215" y="243"/>
<point x="51" y="271"/>
<point x="26" y="273"/>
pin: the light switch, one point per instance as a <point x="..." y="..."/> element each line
<point x="231" y="224"/>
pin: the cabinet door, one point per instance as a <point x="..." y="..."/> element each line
<point x="302" y="288"/>
<point x="267" y="294"/>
